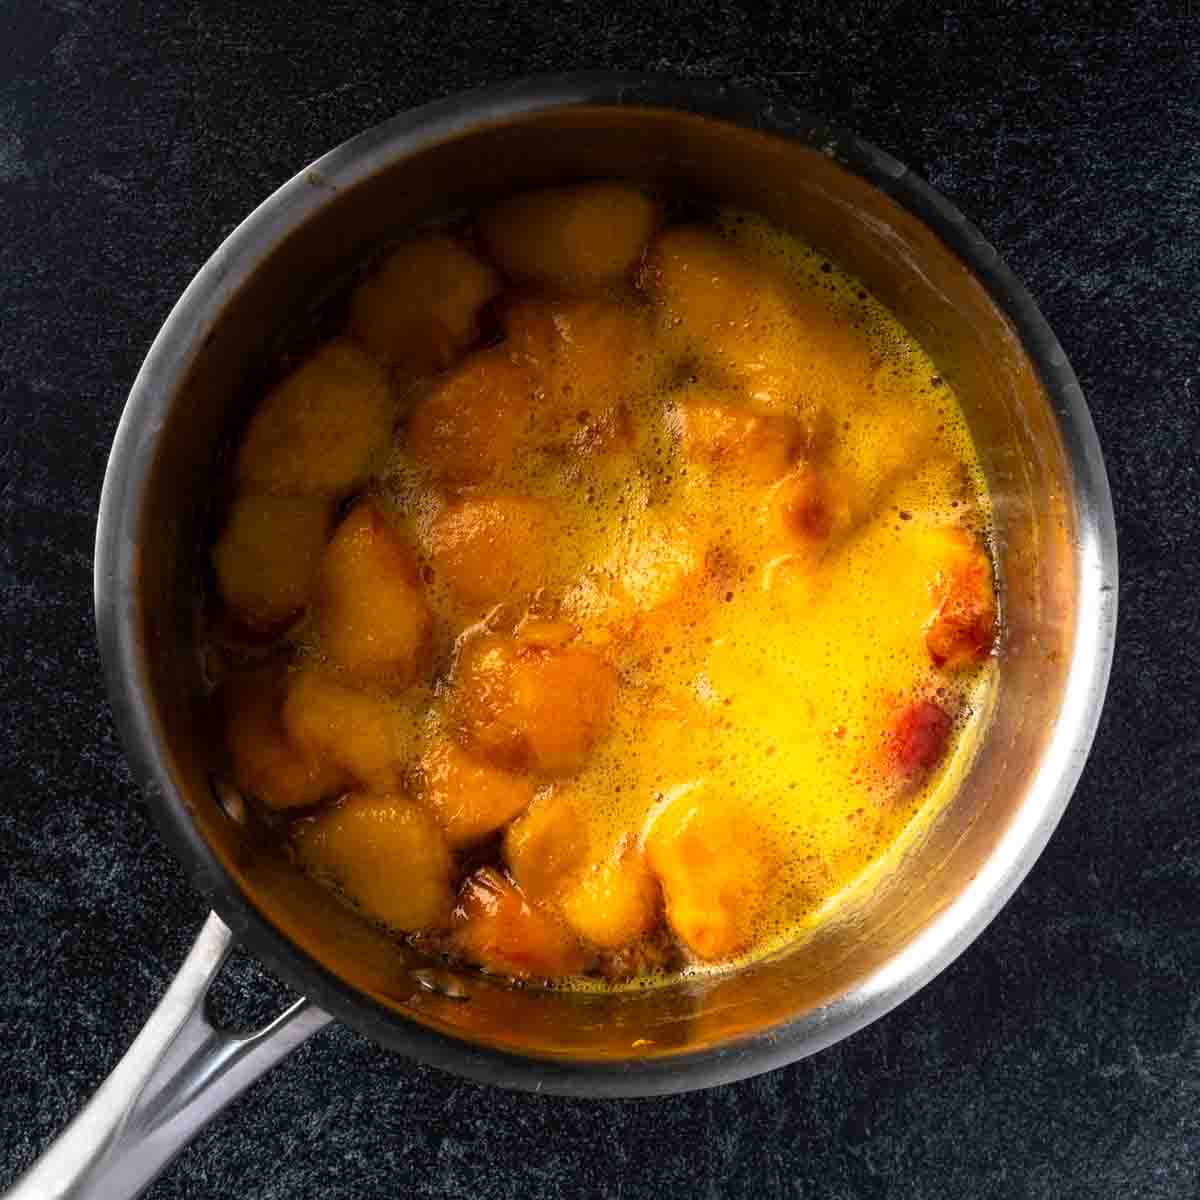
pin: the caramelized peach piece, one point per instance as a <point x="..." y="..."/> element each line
<point x="420" y="308"/>
<point x="714" y="866"/>
<point x="467" y="427"/>
<point x="811" y="510"/>
<point x="757" y="447"/>
<point x="386" y="854"/>
<point x="573" y="238"/>
<point x="317" y="431"/>
<point x="267" y="555"/>
<point x="353" y="729"/>
<point x="266" y="764"/>
<point x="588" y="356"/>
<point x="962" y="628"/>
<point x="546" y="844"/>
<point x="527" y="706"/>
<point x="496" y="927"/>
<point x="489" y="549"/>
<point x="916" y="738"/>
<point x="372" y="617"/>
<point x="469" y="796"/>
<point x="615" y="903"/>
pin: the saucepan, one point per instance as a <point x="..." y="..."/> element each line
<point x="1056" y="550"/>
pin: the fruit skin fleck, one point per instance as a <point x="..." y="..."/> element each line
<point x="916" y="738"/>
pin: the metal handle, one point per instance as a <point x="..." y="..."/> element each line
<point x="180" y="1072"/>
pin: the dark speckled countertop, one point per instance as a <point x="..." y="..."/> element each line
<point x="1060" y="1056"/>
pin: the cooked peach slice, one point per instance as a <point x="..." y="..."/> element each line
<point x="496" y="927"/>
<point x="420" y="308"/>
<point x="614" y="903"/>
<point x="588" y="356"/>
<point x="655" y="566"/>
<point x="317" y="431"/>
<point x="916" y="738"/>
<point x="545" y="846"/>
<point x="818" y="506"/>
<point x="710" y="288"/>
<point x="548" y="633"/>
<point x="383" y="852"/>
<point x="266" y="764"/>
<point x="805" y="370"/>
<point x="649" y="573"/>
<point x="596" y="604"/>
<point x="467" y="427"/>
<point x="679" y="725"/>
<point x="962" y="628"/>
<point x="572" y="238"/>
<point x="267" y="556"/>
<point x="757" y="447"/>
<point x="527" y="706"/>
<point x="487" y="549"/>
<point x="355" y="730"/>
<point x="741" y="317"/>
<point x="372" y="617"/>
<point x="714" y="865"/>
<point x="470" y="796"/>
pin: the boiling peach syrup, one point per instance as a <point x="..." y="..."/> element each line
<point x="626" y="639"/>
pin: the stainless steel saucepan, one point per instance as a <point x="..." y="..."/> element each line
<point x="1057" y="561"/>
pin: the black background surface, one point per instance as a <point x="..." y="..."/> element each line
<point x="1060" y="1056"/>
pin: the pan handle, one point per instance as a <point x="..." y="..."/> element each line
<point x="180" y="1072"/>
